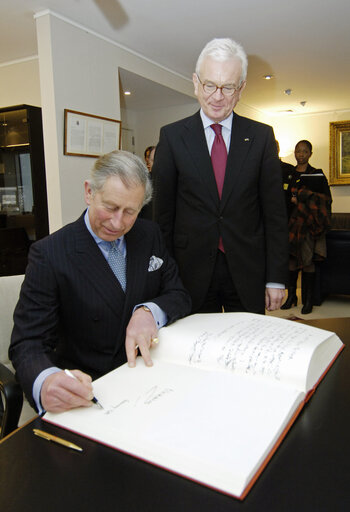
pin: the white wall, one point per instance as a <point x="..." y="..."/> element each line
<point x="72" y="64"/>
<point x="244" y="110"/>
<point x="147" y="123"/>
<point x="79" y="71"/>
<point x="19" y="83"/>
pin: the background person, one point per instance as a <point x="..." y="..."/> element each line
<point x="149" y="156"/>
<point x="287" y="173"/>
<point x="147" y="210"/>
<point x="74" y="310"/>
<point x="310" y="212"/>
<point x="151" y="159"/>
<point x="219" y="199"/>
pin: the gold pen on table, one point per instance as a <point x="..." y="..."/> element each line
<point x="94" y="399"/>
<point x="55" y="439"/>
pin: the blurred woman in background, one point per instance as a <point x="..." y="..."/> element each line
<point x="309" y="209"/>
<point x="149" y="157"/>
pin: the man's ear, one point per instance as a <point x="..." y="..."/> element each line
<point x="195" y="83"/>
<point x="241" y="89"/>
<point x="87" y="192"/>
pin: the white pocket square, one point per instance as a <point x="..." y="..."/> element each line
<point x="154" y="263"/>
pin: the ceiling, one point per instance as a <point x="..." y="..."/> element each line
<point x="146" y="94"/>
<point x="304" y="44"/>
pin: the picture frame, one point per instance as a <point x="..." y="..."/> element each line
<point x="90" y="135"/>
<point x="339" y="153"/>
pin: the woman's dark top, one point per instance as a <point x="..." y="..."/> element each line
<point x="309" y="219"/>
<point x="293" y="180"/>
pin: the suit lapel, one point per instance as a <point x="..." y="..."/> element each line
<point x="137" y="262"/>
<point x="195" y="142"/>
<point x="241" y="140"/>
<point x="90" y="262"/>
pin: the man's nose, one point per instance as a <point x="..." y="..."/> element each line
<point x="117" y="219"/>
<point x="218" y="93"/>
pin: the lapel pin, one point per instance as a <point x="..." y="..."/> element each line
<point x="246" y="140"/>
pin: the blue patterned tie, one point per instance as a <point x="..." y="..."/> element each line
<point x="117" y="263"/>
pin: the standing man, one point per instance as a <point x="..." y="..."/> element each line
<point x="95" y="292"/>
<point x="219" y="197"/>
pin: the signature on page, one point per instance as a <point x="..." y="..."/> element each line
<point x="151" y="395"/>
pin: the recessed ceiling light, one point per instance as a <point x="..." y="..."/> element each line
<point x="127" y="93"/>
<point x="268" y="77"/>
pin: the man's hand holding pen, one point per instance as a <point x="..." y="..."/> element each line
<point x="60" y="392"/>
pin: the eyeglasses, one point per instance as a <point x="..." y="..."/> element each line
<point x="210" y="88"/>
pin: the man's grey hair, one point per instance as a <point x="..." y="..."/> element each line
<point x="128" y="167"/>
<point x="221" y="50"/>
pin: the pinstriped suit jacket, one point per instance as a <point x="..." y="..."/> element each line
<point x="72" y="310"/>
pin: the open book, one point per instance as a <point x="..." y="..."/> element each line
<point x="223" y="392"/>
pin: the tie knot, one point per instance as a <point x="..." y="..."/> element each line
<point x="217" y="128"/>
<point x="115" y="244"/>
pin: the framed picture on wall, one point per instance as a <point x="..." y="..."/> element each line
<point x="339" y="153"/>
<point x="90" y="135"/>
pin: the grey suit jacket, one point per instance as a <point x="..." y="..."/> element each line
<point x="72" y="310"/>
<point x="250" y="217"/>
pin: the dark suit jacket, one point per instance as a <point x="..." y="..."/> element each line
<point x="250" y="217"/>
<point x="72" y="311"/>
<point x="287" y="172"/>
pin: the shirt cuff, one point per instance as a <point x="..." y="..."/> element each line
<point x="39" y="381"/>
<point x="160" y="317"/>
<point x="275" y="285"/>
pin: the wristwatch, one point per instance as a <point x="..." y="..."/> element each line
<point x="146" y="309"/>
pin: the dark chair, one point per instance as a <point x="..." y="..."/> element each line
<point x="334" y="272"/>
<point x="11" y="401"/>
<point x="13" y="409"/>
<point x="333" y="275"/>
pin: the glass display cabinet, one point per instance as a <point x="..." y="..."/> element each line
<point x="23" y="198"/>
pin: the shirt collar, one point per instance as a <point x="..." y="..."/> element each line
<point x="227" y="123"/>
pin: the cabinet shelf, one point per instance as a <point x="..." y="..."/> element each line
<point x="23" y="197"/>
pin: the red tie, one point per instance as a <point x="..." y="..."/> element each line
<point x="218" y="157"/>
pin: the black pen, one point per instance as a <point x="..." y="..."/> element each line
<point x="94" y="399"/>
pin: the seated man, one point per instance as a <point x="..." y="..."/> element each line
<point x="74" y="311"/>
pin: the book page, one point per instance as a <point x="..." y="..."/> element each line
<point x="248" y="344"/>
<point x="216" y="428"/>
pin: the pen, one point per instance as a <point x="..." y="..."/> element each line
<point x="55" y="439"/>
<point x="94" y="399"/>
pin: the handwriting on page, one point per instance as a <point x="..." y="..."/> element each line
<point x="254" y="347"/>
<point x="149" y="397"/>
